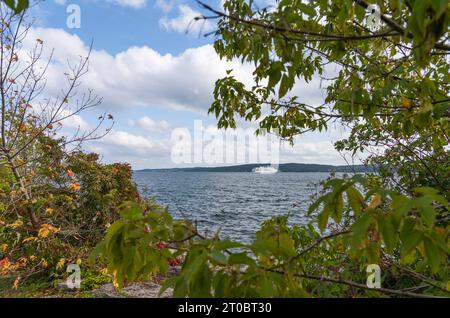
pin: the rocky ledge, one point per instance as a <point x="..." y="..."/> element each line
<point x="137" y="290"/>
<point x="148" y="289"/>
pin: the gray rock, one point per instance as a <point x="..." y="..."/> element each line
<point x="137" y="290"/>
<point x="62" y="286"/>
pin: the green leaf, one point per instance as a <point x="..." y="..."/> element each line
<point x="388" y="232"/>
<point x="432" y="254"/>
<point x="433" y="194"/>
<point x="99" y="248"/>
<point x="338" y="207"/>
<point x="360" y="228"/>
<point x="440" y="241"/>
<point x="200" y="282"/>
<point x="10" y="3"/>
<point x="225" y="245"/>
<point x="274" y="73"/>
<point x="131" y="212"/>
<point x="285" y="85"/>
<point x="267" y="288"/>
<point x="425" y="206"/>
<point x="195" y="265"/>
<point x="21" y="5"/>
<point x="240" y="259"/>
<point x="168" y="283"/>
<point x="218" y="257"/>
<point x="307" y="9"/>
<point x="409" y="236"/>
<point x="355" y="199"/>
<point x="401" y="205"/>
<point x="220" y="284"/>
<point x="323" y="218"/>
<point x="313" y="207"/>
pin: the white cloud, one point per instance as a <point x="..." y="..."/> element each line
<point x="147" y="152"/>
<point x="75" y="122"/>
<point x="185" y="21"/>
<point x="136" y="4"/>
<point x="166" y="5"/>
<point x="150" y="125"/>
<point x="311" y="152"/>
<point x="314" y="147"/>
<point x="140" y="76"/>
<point x="117" y="143"/>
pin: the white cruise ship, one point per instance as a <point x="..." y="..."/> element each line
<point x="265" y="170"/>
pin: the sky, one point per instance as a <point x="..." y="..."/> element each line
<point x="155" y="71"/>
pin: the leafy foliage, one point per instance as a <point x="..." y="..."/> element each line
<point x="136" y="247"/>
<point x="389" y="222"/>
<point x="18" y="6"/>
<point x="55" y="201"/>
<point x="76" y="199"/>
<point x="290" y="261"/>
<point x="390" y="88"/>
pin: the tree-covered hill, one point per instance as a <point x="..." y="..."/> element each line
<point x="285" y="167"/>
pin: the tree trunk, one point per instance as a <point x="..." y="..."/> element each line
<point x="35" y="222"/>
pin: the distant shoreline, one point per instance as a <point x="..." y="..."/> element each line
<point x="285" y="167"/>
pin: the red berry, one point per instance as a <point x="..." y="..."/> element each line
<point x="161" y="245"/>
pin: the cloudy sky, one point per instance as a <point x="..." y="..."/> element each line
<point x="155" y="72"/>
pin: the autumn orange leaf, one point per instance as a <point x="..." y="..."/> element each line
<point x="75" y="186"/>
<point x="376" y="201"/>
<point x="16" y="283"/>
<point x="60" y="263"/>
<point x="4" y="263"/>
<point x="49" y="211"/>
<point x="46" y="229"/>
<point x="16" y="224"/>
<point x="30" y="239"/>
<point x="44" y="263"/>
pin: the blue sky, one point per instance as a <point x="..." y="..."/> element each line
<point x="153" y="76"/>
<point x="115" y="27"/>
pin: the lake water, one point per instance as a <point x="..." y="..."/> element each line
<point x="235" y="202"/>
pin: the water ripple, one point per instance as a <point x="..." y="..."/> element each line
<point x="235" y="202"/>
